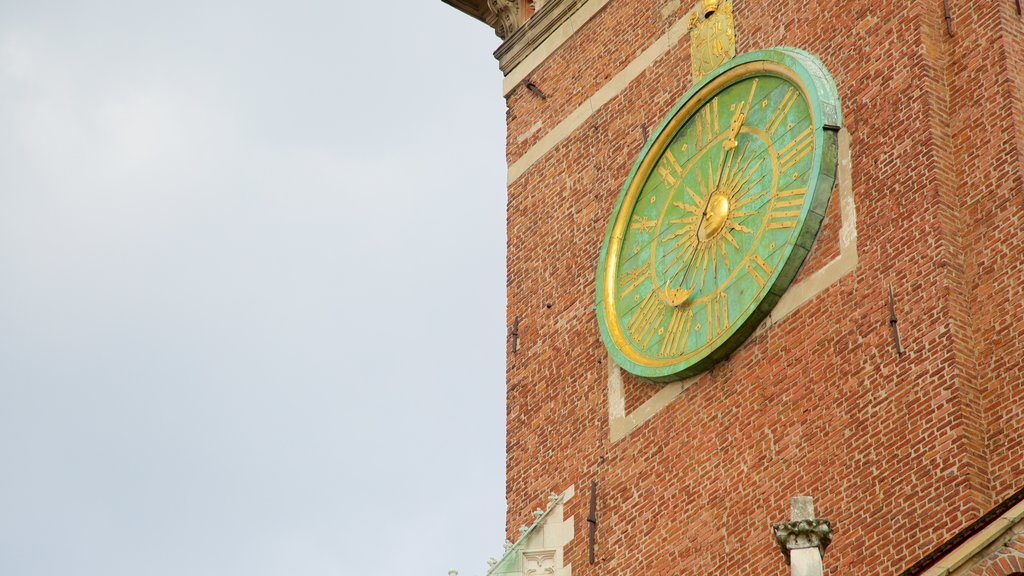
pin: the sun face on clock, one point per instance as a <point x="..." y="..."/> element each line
<point x="718" y="214"/>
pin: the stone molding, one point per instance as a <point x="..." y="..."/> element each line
<point x="521" y="42"/>
<point x="798" y="534"/>
<point x="960" y="559"/>
<point x="609" y="90"/>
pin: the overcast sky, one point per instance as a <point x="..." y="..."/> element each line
<point x="251" y="288"/>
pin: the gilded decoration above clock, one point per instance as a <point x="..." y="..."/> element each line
<point x="718" y="213"/>
<point x="712" y="37"/>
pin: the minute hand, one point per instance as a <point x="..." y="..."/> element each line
<point x="728" y="146"/>
<point x="730" y="143"/>
<point x="680" y="295"/>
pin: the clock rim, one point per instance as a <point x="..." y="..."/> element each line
<point x="810" y="75"/>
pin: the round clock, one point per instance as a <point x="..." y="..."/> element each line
<point x="718" y="213"/>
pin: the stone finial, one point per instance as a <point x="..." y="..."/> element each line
<point x="453" y="573"/>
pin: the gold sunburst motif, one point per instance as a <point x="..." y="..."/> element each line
<point x="714" y="215"/>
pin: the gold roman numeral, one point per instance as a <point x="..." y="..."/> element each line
<point x="759" y="270"/>
<point x="783" y="214"/>
<point x="783" y="224"/>
<point x="780" y="113"/>
<point x="669" y="168"/>
<point x="677" y="333"/>
<point x="791" y="197"/>
<point x="666" y="175"/>
<point x="644" y="323"/>
<point x="643" y="224"/>
<point x="718" y="314"/>
<point x="702" y="262"/>
<point x="750" y="98"/>
<point x="672" y="160"/>
<point x="707" y="123"/>
<point x="632" y="279"/>
<point x="714" y="116"/>
<point x="793" y="152"/>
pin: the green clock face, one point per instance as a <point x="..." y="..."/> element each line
<point x="718" y="214"/>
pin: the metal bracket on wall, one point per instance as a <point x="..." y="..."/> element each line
<point x="592" y="520"/>
<point x="514" y="333"/>
<point x="534" y="89"/>
<point x="948" y="17"/>
<point x="892" y="324"/>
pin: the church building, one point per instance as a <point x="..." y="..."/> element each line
<point x="765" y="286"/>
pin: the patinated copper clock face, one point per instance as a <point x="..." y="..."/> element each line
<point x="718" y="214"/>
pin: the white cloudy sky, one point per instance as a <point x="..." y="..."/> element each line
<point x="251" y="288"/>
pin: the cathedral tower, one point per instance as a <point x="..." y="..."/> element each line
<point x="758" y="250"/>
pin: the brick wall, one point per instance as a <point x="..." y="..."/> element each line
<point x="899" y="452"/>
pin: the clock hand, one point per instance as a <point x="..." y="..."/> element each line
<point x="681" y="294"/>
<point x="735" y="124"/>
<point x="730" y="143"/>
<point x="727" y="149"/>
<point x="686" y="271"/>
<point x="676" y="296"/>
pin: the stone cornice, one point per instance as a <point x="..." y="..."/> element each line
<point x="475" y="8"/>
<point x="525" y="40"/>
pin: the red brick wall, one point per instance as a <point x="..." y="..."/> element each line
<point x="898" y="452"/>
<point x="995" y="222"/>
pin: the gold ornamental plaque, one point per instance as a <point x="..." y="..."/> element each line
<point x="712" y="37"/>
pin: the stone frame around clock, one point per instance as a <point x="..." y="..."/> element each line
<point x="622" y="422"/>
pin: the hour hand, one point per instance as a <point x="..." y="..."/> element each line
<point x="676" y="296"/>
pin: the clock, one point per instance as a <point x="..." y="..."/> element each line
<point x="718" y="213"/>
